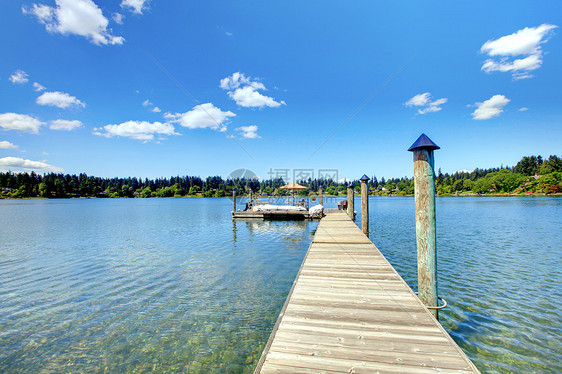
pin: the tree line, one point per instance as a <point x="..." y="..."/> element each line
<point x="532" y="174"/>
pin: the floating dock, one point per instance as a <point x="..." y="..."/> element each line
<point x="349" y="311"/>
<point x="282" y="215"/>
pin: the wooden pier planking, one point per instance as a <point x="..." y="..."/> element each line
<point x="349" y="311"/>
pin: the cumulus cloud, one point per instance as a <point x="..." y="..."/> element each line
<point x="525" y="43"/>
<point x="7" y="145"/>
<point x="38" y="87"/>
<point x="59" y="99"/>
<point x="21" y="122"/>
<point x="490" y="108"/>
<point x="424" y="104"/>
<point x="135" y="6"/>
<point x="19" y="77"/>
<point x="203" y="116"/>
<point x="16" y="163"/>
<point x="118" y="18"/>
<point x="250" y="132"/>
<point x="78" y="17"/>
<point x="156" y="109"/>
<point x="139" y="130"/>
<point x="62" y="124"/>
<point x="146" y="103"/>
<point x="244" y="91"/>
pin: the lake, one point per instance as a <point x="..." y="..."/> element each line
<point x="174" y="285"/>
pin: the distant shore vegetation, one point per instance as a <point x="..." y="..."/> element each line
<point x="532" y="175"/>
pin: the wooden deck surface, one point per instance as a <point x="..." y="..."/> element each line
<point x="350" y="312"/>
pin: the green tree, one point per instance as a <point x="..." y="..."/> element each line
<point x="146" y="192"/>
<point x="553" y="164"/>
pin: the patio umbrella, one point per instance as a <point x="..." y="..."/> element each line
<point x="293" y="186"/>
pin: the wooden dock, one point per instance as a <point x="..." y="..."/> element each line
<point x="349" y="311"/>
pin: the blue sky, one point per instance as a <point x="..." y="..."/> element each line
<point x="160" y="88"/>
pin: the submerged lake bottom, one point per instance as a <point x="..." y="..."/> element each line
<point x="175" y="285"/>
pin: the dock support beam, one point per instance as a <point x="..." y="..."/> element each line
<point x="424" y="192"/>
<point x="320" y="200"/>
<point x="365" y="204"/>
<point x="234" y="199"/>
<point x="351" y="201"/>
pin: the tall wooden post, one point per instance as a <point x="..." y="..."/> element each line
<point x="320" y="200"/>
<point x="424" y="192"/>
<point x="365" y="204"/>
<point x="351" y="201"/>
<point x="234" y="199"/>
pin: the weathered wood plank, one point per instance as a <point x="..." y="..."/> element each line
<point x="349" y="311"/>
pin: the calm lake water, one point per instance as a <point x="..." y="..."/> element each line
<point x="174" y="285"/>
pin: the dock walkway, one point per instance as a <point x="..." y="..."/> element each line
<point x="349" y="311"/>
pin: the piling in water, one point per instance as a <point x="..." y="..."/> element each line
<point x="424" y="192"/>
<point x="351" y="201"/>
<point x="365" y="204"/>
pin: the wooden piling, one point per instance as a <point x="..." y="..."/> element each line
<point x="320" y="200"/>
<point x="351" y="201"/>
<point x="234" y="199"/>
<point x="424" y="192"/>
<point x="365" y="204"/>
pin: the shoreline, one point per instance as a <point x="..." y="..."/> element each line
<point x="340" y="196"/>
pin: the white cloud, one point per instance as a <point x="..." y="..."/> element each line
<point x="424" y="103"/>
<point x="156" y="109"/>
<point x="526" y="42"/>
<point x="78" y="17"/>
<point x="462" y="171"/>
<point x="244" y="91"/>
<point x="203" y="116"/>
<point x="250" y="132"/>
<point x="11" y="163"/>
<point x="136" y="6"/>
<point x="524" y="109"/>
<point x="38" y="87"/>
<point x="21" y="122"/>
<point x="62" y="124"/>
<point x="418" y="100"/>
<point x="228" y="33"/>
<point x="118" y="18"/>
<point x="146" y="103"/>
<point x="490" y="108"/>
<point x="139" y="130"/>
<point x="19" y="77"/>
<point x="59" y="99"/>
<point x="7" y="145"/>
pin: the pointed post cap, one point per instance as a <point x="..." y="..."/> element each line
<point x="320" y="186"/>
<point x="350" y="185"/>
<point x="365" y="178"/>
<point x="234" y="189"/>
<point x="423" y="142"/>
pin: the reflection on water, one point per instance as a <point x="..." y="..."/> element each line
<point x="500" y="269"/>
<point x="175" y="285"/>
<point x="165" y="285"/>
